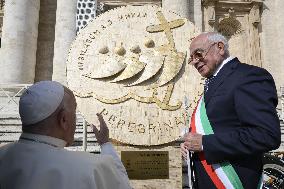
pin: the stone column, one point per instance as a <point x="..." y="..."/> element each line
<point x="254" y="21"/>
<point x="19" y="41"/>
<point x="209" y="15"/>
<point x="65" y="32"/>
<point x="181" y="7"/>
<point x="45" y="40"/>
<point x="197" y="14"/>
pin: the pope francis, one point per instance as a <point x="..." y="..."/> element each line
<point x="38" y="159"/>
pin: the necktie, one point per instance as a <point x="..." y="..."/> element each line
<point x="207" y="82"/>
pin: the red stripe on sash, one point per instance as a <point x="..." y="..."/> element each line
<point x="192" y="124"/>
<point x="210" y="171"/>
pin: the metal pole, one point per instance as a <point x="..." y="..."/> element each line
<point x="84" y="134"/>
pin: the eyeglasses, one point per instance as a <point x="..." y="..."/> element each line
<point x="200" y="54"/>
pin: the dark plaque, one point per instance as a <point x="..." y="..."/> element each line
<point x="142" y="165"/>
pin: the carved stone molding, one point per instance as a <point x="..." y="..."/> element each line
<point x="229" y="26"/>
<point x="130" y="2"/>
<point x="239" y="21"/>
<point x="255" y="14"/>
<point x="209" y="14"/>
<point x="106" y="5"/>
<point x="211" y="11"/>
<point x="238" y="5"/>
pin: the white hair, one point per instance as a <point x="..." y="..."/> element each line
<point x="215" y="37"/>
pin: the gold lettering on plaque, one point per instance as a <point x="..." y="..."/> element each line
<point x="141" y="165"/>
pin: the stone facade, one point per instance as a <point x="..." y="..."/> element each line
<point x="254" y="28"/>
<point x="46" y="29"/>
<point x="257" y="24"/>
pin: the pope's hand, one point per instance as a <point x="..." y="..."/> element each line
<point x="102" y="135"/>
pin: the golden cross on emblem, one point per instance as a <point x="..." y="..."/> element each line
<point x="166" y="27"/>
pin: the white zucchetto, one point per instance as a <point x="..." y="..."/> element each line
<point x="39" y="101"/>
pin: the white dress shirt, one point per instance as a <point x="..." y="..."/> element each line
<point x="223" y="63"/>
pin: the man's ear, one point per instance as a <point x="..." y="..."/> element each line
<point x="62" y="119"/>
<point x="221" y="47"/>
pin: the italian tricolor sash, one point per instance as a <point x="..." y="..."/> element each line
<point x="223" y="175"/>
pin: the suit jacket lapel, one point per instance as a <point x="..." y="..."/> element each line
<point x="227" y="70"/>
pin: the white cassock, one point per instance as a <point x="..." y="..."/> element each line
<point x="41" y="162"/>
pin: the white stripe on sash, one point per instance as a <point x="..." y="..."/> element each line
<point x="221" y="174"/>
<point x="198" y="126"/>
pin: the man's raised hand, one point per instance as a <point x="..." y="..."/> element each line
<point x="102" y="135"/>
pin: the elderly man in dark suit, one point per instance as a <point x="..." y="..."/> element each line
<point x="235" y="120"/>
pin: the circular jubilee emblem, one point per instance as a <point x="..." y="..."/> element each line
<point x="130" y="65"/>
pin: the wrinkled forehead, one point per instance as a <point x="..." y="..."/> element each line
<point x="198" y="43"/>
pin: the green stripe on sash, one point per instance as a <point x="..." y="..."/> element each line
<point x="204" y="119"/>
<point x="232" y="175"/>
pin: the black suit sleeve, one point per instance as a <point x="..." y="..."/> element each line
<point x="255" y="102"/>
